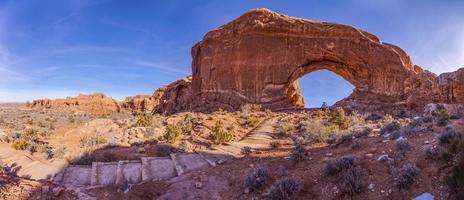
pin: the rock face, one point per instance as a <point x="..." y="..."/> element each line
<point x="452" y="86"/>
<point x="175" y="97"/>
<point x="140" y="103"/>
<point x="258" y="58"/>
<point x="95" y="103"/>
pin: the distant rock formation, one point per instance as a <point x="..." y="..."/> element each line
<point x="140" y="103"/>
<point x="96" y="103"/>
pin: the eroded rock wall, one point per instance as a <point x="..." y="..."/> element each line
<point x="97" y="103"/>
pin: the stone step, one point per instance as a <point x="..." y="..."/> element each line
<point x="157" y="168"/>
<point x="129" y="172"/>
<point x="188" y="162"/>
<point x="104" y="173"/>
<point x="76" y="175"/>
<point x="214" y="157"/>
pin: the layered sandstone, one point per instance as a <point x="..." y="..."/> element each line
<point x="140" y="103"/>
<point x="175" y="97"/>
<point x="258" y="58"/>
<point x="96" y="103"/>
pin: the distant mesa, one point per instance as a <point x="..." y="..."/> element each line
<point x="258" y="58"/>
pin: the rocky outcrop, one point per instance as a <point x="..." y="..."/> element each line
<point x="140" y="103"/>
<point x="175" y="97"/>
<point x="452" y="86"/>
<point x="96" y="103"/>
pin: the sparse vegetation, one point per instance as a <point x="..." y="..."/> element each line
<point x="441" y="115"/>
<point x="246" y="150"/>
<point x="391" y="127"/>
<point x="71" y="118"/>
<point x="144" y="120"/>
<point x="348" y="173"/>
<point x="283" y="128"/>
<point x="172" y="132"/>
<point x="298" y="153"/>
<point x="402" y="145"/>
<point x="275" y="144"/>
<point x="406" y="177"/>
<point x="257" y="179"/>
<point x="338" y="117"/>
<point x="356" y="144"/>
<point x="220" y="135"/>
<point x="252" y="121"/>
<point x="448" y="135"/>
<point x="316" y="131"/>
<point x="91" y="141"/>
<point x="284" y="189"/>
<point x="454" y="158"/>
<point x="19" y="145"/>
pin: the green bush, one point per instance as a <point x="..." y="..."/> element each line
<point x="252" y="121"/>
<point x="316" y="131"/>
<point x="283" y="128"/>
<point x="338" y="117"/>
<point x="71" y="118"/>
<point x="284" y="189"/>
<point x="275" y="144"/>
<point x="348" y="173"/>
<point x="220" y="136"/>
<point x="298" y="153"/>
<point x="441" y="115"/>
<point x="172" y="133"/>
<point x="454" y="157"/>
<point x="257" y="179"/>
<point x="144" y="120"/>
<point x="406" y="177"/>
<point x="19" y="145"/>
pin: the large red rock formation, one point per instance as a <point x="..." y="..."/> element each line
<point x="258" y="58"/>
<point x="140" y="103"/>
<point x="175" y="97"/>
<point x="96" y="103"/>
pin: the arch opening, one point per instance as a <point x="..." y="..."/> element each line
<point x="323" y="86"/>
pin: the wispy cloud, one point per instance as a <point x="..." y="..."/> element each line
<point x="158" y="66"/>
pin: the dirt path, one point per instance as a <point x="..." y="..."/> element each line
<point x="27" y="165"/>
<point x="260" y="138"/>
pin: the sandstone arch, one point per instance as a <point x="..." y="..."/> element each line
<point x="257" y="57"/>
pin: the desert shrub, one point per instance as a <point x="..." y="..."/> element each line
<point x="441" y="115"/>
<point x="220" y="136"/>
<point x="355" y="118"/>
<point x="454" y="158"/>
<point x="387" y="119"/>
<point x="284" y="189"/>
<point x="338" y="117"/>
<point x="19" y="145"/>
<point x="348" y="173"/>
<point x="252" y="121"/>
<point x="172" y="132"/>
<point x="187" y="122"/>
<point x="60" y="152"/>
<point x="84" y="159"/>
<point x="402" y="145"/>
<point x="164" y="150"/>
<point x="256" y="107"/>
<point x="316" y="131"/>
<point x="91" y="141"/>
<point x="31" y="148"/>
<point x="390" y="127"/>
<point x="448" y="135"/>
<point x="430" y="151"/>
<point x="257" y="179"/>
<point x="374" y="117"/>
<point x="427" y="119"/>
<point x="144" y="120"/>
<point x="283" y="128"/>
<point x="247" y="108"/>
<point x="406" y="177"/>
<point x="71" y="118"/>
<point x="356" y="144"/>
<point x="29" y="133"/>
<point x="42" y="148"/>
<point x="298" y="153"/>
<point x="108" y="157"/>
<point x="275" y="144"/>
<point x="246" y="150"/>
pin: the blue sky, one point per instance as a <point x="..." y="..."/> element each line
<point x="58" y="48"/>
